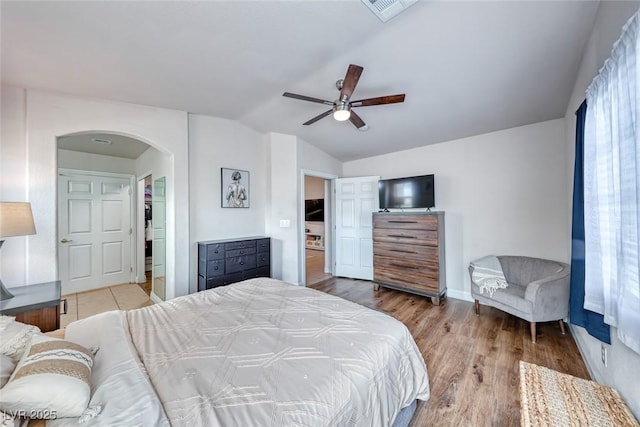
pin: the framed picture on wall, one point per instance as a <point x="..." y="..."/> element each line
<point x="235" y="188"/>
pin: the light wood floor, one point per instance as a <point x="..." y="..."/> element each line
<point x="315" y="266"/>
<point x="472" y="360"/>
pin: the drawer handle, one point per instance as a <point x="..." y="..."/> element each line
<point x="405" y="266"/>
<point x="404" y="222"/>
<point x="64" y="305"/>
<point x="215" y="252"/>
<point x="402" y="236"/>
<point x="404" y="252"/>
<point x="241" y="262"/>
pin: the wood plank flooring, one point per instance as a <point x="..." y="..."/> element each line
<point x="472" y="360"/>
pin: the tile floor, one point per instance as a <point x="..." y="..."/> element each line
<point x="119" y="297"/>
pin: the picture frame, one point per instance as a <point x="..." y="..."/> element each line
<point x="234" y="188"/>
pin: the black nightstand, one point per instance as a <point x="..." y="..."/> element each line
<point x="37" y="305"/>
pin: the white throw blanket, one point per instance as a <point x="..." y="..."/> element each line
<point x="487" y="274"/>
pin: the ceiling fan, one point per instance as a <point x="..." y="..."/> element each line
<point x="341" y="108"/>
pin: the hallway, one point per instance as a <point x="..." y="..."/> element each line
<point x="315" y="267"/>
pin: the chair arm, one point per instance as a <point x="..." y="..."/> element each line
<point x="550" y="296"/>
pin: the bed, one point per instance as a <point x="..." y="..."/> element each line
<point x="256" y="353"/>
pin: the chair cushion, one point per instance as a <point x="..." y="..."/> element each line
<point x="511" y="296"/>
<point x="521" y="270"/>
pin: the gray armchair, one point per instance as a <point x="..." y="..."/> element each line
<point x="538" y="290"/>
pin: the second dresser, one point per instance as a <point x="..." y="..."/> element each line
<point x="408" y="252"/>
<point x="221" y="262"/>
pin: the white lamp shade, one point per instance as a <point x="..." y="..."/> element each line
<point x="16" y="219"/>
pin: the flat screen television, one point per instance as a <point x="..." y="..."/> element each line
<point x="407" y="193"/>
<point x="314" y="210"/>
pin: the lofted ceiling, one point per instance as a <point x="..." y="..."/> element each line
<point x="467" y="67"/>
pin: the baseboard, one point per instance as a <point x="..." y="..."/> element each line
<point x="578" y="338"/>
<point x="461" y="295"/>
<point x="155" y="298"/>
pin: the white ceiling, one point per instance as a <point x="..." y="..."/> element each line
<point x="467" y="67"/>
<point x="106" y="144"/>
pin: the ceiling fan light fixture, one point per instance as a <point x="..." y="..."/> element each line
<point x="342" y="113"/>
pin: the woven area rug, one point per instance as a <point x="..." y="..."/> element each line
<point x="550" y="398"/>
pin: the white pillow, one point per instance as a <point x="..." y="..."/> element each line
<point x="5" y="320"/>
<point x="14" y="338"/>
<point x="52" y="374"/>
<point x="7" y="365"/>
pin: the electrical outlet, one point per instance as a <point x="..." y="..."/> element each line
<point x="603" y="353"/>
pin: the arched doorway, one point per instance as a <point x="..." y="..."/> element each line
<point x="102" y="238"/>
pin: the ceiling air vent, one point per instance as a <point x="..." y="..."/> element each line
<point x="387" y="9"/>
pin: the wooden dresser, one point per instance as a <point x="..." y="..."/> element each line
<point x="408" y="252"/>
<point x="221" y="262"/>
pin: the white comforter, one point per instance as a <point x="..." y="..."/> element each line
<point x="267" y="353"/>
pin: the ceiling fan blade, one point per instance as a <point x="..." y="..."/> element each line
<point x="318" y="117"/>
<point x="356" y="120"/>
<point x="307" y="98"/>
<point x="350" y="81"/>
<point x="389" y="99"/>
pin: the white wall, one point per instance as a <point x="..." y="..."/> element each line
<point x="35" y="119"/>
<point x="216" y="143"/>
<point x="13" y="180"/>
<point x="313" y="159"/>
<point x="317" y="163"/>
<point x="502" y="193"/>
<point x="622" y="371"/>
<point x="94" y="162"/>
<point x="289" y="158"/>
<point x="285" y="185"/>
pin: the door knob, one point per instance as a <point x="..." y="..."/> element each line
<point x="65" y="241"/>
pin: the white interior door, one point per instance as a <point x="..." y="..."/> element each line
<point x="94" y="231"/>
<point x="356" y="199"/>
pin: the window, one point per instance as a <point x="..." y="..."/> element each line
<point x="612" y="189"/>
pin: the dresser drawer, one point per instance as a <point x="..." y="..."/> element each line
<point x="215" y="251"/>
<point x="215" y="268"/>
<point x="241" y="252"/>
<point x="223" y="280"/>
<point x="425" y="284"/>
<point x="425" y="222"/>
<point x="411" y="237"/>
<point x="240" y="263"/>
<point x="264" y="245"/>
<point x="256" y="272"/>
<point x="406" y="267"/>
<point x="416" y="252"/>
<point x="239" y="245"/>
<point x="264" y="259"/>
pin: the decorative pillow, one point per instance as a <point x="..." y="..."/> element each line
<point x="14" y="338"/>
<point x="5" y="320"/>
<point x="52" y="380"/>
<point x="7" y="365"/>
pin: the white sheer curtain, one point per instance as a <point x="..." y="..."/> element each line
<point x="612" y="189"/>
